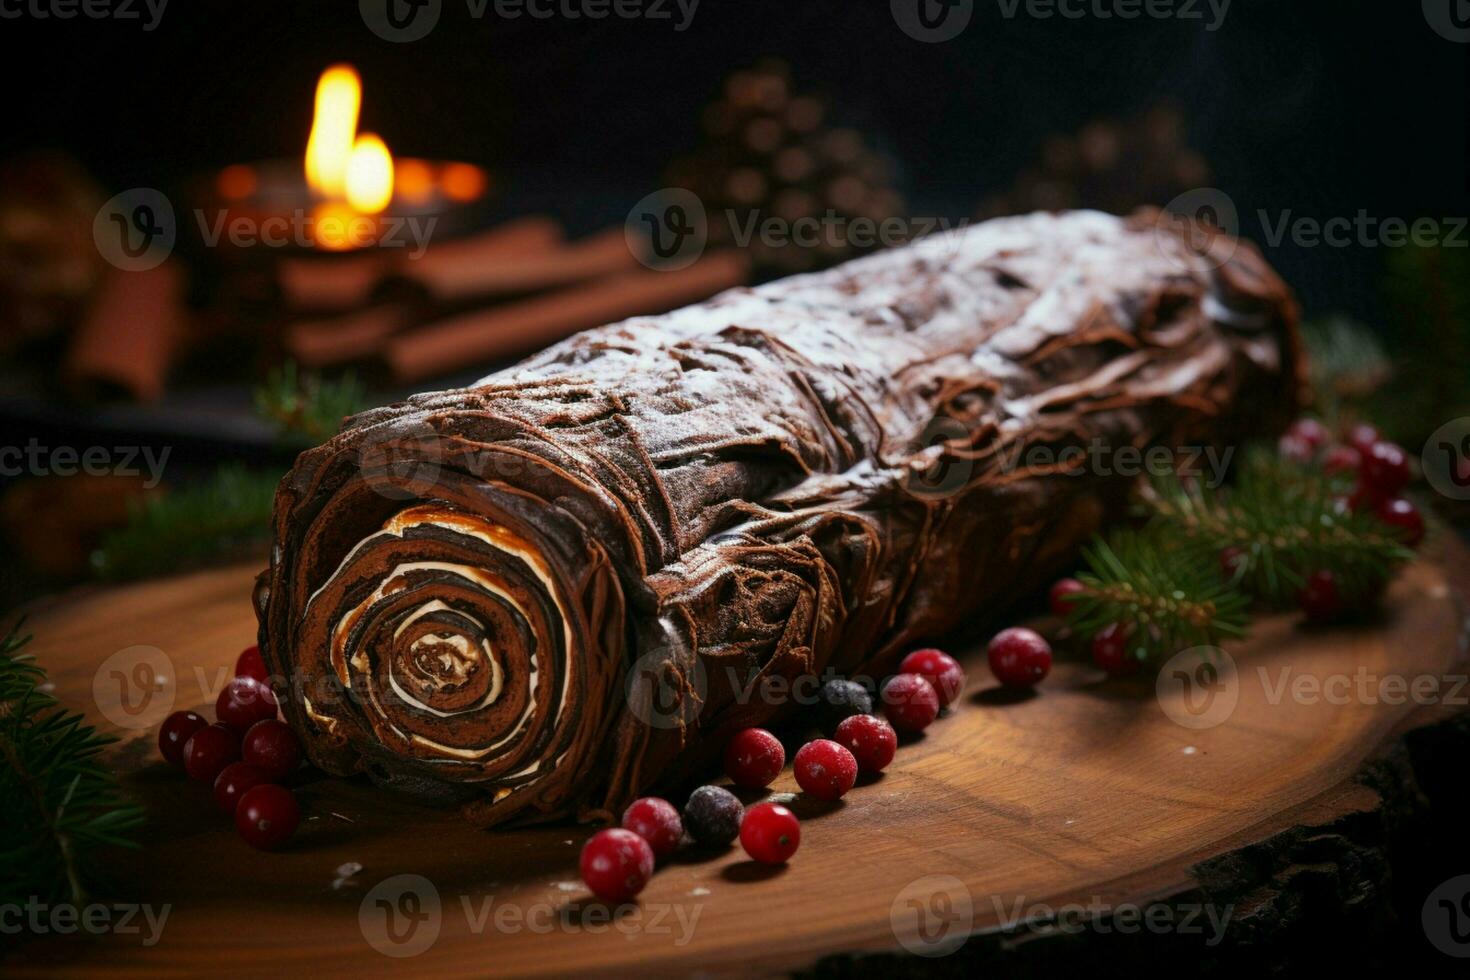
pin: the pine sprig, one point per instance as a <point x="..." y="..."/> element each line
<point x="305" y="406"/>
<point x="1165" y="582"/>
<point x="1412" y="380"/>
<point x="1158" y="592"/>
<point x="60" y="803"/>
<point x="1348" y="364"/>
<point x="190" y="526"/>
<point x="229" y="512"/>
<point x="1286" y="520"/>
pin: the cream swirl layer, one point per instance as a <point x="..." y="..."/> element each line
<point x="454" y="641"/>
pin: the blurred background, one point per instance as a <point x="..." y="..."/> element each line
<point x="147" y="407"/>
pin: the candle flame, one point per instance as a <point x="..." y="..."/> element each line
<point x="354" y="176"/>
<point x="333" y="130"/>
<point x="369" y="175"/>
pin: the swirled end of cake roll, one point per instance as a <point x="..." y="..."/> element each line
<point x="448" y="635"/>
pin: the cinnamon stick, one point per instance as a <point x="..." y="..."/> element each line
<point x="128" y="340"/>
<point x="331" y="282"/>
<point x="322" y="283"/>
<point x="455" y="273"/>
<point x="501" y="332"/>
<point x="352" y="336"/>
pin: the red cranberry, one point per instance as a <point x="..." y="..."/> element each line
<point x="1362" y="437"/>
<point x="1110" y="651"/>
<point x="1311" y="432"/>
<point x="909" y="702"/>
<point x="1232" y="560"/>
<point x="753" y="758"/>
<point x="1319" y="598"/>
<point x="175" y="731"/>
<point x="770" y="833"/>
<point x="1404" y="517"/>
<point x="272" y="747"/>
<point x="1386" y="468"/>
<point x="824" y="769"/>
<point x="616" y="864"/>
<point x="243" y="702"/>
<point x="939" y="669"/>
<point x="1341" y="460"/>
<point x="232" y="783"/>
<point x="1019" y="657"/>
<point x="251" y="664"/>
<point x="267" y="815"/>
<point x="657" y="822"/>
<point x="1059" y="596"/>
<point x="209" y="750"/>
<point x="870" y="739"/>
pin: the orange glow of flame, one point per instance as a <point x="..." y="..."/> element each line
<point x="338" y="227"/>
<point x="414" y="179"/>
<point x="463" y="182"/>
<point x="237" y="182"/>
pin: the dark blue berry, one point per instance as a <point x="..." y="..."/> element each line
<point x="841" y="699"/>
<point x="712" y="815"/>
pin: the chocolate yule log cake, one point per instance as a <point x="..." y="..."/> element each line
<point x="545" y="593"/>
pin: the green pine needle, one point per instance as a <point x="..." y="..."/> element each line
<point x="1288" y="521"/>
<point x="1165" y="600"/>
<point x="1413" y="380"/>
<point x="190" y="526"/>
<point x="1164" y="582"/>
<point x="306" y="407"/>
<point x="230" y="512"/>
<point x="60" y="803"/>
<point x="1347" y="362"/>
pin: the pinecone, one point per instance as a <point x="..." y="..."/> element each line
<point x="1111" y="165"/>
<point x="768" y="153"/>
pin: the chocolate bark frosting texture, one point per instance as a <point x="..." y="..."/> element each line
<point x="547" y="592"/>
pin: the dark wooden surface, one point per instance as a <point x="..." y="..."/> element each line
<point x="1087" y="794"/>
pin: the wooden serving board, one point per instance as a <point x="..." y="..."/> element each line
<point x="1088" y="792"/>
